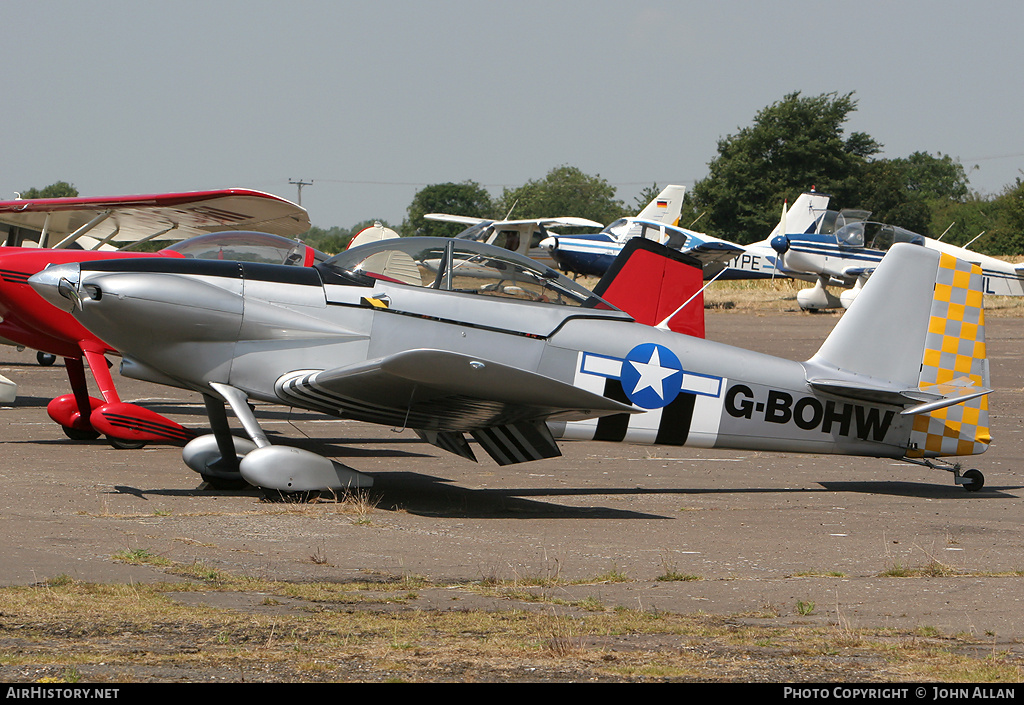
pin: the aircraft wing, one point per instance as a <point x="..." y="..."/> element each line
<point x="440" y="390"/>
<point x="124" y="220"/>
<point x="461" y="219"/>
<point x="713" y="251"/>
<point x="563" y="221"/>
<point x="442" y="395"/>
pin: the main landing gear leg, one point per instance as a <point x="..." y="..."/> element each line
<point x="282" y="468"/>
<point x="217" y="456"/>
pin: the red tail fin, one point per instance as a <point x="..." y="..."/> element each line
<point x="650" y="282"/>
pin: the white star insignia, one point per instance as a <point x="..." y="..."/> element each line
<point x="652" y="375"/>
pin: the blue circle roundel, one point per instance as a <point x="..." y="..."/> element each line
<point x="651" y="376"/>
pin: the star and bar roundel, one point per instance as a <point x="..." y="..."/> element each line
<point x="651" y="376"/>
<point x="682" y="407"/>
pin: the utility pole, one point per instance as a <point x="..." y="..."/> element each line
<point x="300" y="183"/>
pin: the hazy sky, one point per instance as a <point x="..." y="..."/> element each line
<point x="373" y="100"/>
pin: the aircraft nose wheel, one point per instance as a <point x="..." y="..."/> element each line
<point x="977" y="480"/>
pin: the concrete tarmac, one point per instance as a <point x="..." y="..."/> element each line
<point x="763" y="532"/>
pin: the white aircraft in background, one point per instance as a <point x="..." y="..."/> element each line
<point x="592" y="253"/>
<point x="843" y="248"/>
<point x="520" y="236"/>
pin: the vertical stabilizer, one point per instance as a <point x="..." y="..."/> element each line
<point x="666" y="207"/>
<point x="802" y="215"/>
<point x="916" y="335"/>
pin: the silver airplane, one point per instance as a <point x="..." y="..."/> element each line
<point x="456" y="338"/>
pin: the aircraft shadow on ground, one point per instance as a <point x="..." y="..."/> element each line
<point x="30" y="402"/>
<point x="429" y="496"/>
<point x="921" y="490"/>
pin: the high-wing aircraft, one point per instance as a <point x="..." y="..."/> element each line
<point x="26" y="319"/>
<point x="109" y="222"/>
<point x="103" y="223"/>
<point x="522" y="236"/>
<point x="454" y="337"/>
<point x="592" y="253"/>
<point x="843" y="248"/>
<point x="120" y="222"/>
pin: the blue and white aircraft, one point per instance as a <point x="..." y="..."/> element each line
<point x="843" y="248"/>
<point x="591" y="254"/>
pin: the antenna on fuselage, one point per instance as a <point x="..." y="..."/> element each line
<point x="976" y="237"/>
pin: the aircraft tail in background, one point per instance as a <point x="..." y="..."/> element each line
<point x="802" y="216"/>
<point x="666" y="206"/>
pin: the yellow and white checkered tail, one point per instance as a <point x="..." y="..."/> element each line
<point x="954" y="354"/>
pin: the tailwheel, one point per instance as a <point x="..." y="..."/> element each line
<point x="977" y="480"/>
<point x="78" y="434"/>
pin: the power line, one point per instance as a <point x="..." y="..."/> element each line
<point x="300" y="183"/>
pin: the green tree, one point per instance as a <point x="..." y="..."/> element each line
<point x="60" y="189"/>
<point x="907" y="191"/>
<point x="793" y="144"/>
<point x="565" y="191"/>
<point x="467" y="198"/>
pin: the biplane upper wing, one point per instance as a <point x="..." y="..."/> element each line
<point x="120" y="221"/>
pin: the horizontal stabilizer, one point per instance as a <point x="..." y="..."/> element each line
<point x="714" y="251"/>
<point x="924" y="398"/>
<point x="952" y="393"/>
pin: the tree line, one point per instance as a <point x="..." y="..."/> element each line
<point x="792" y="145"/>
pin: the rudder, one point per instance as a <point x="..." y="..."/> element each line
<point x="651" y="282"/>
<point x="954" y="354"/>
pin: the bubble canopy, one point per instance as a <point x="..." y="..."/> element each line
<point x="456" y="265"/>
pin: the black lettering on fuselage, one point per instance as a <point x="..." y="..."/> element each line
<point x="746" y="261"/>
<point x="744" y="409"/>
<point x="871" y="421"/>
<point x="778" y="407"/>
<point x="810" y="413"/>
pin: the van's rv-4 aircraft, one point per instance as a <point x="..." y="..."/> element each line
<point x="843" y="248"/>
<point x="207" y="218"/>
<point x="454" y="337"/>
